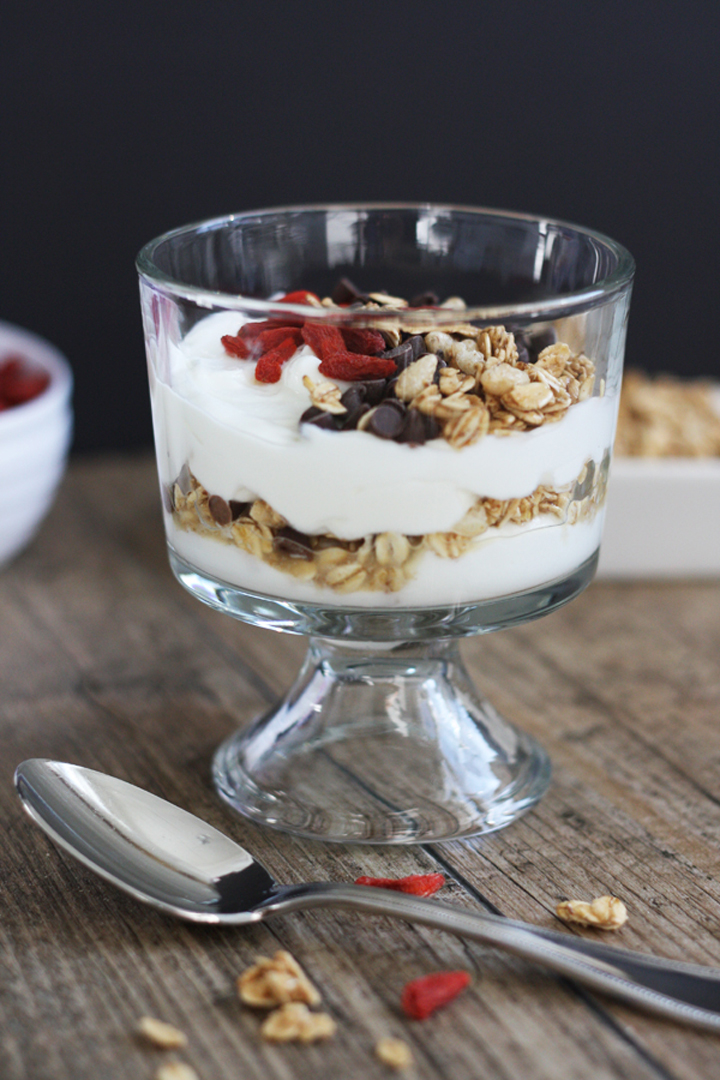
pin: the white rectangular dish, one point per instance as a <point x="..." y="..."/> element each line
<point x="663" y="518"/>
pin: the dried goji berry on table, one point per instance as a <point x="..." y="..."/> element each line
<point x="352" y="366"/>
<point x="415" y="884"/>
<point x="268" y="367"/>
<point x="368" y="342"/>
<point x="300" y="296"/>
<point x="423" y="996"/>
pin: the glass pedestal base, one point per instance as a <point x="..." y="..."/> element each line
<point x="382" y="739"/>
<point x="385" y="745"/>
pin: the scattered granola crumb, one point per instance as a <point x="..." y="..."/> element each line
<point x="176" y="1070"/>
<point x="160" y="1034"/>
<point x="393" y="1052"/>
<point x="269" y="983"/>
<point x="604" y="913"/>
<point x="293" y="1022"/>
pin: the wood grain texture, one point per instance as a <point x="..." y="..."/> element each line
<point x="105" y="661"/>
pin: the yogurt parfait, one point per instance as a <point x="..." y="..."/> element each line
<point x="387" y="428"/>
<point x="380" y="466"/>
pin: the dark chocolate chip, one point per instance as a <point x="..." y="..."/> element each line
<point x="347" y="293"/>
<point x="350" y="419"/>
<point x="417" y="343"/>
<point x="219" y="510"/>
<point x="239" y="509"/>
<point x="184" y="480"/>
<point x="396" y="403"/>
<point x="319" y="418"/>
<point x="375" y="390"/>
<point x="413" y="430"/>
<point x="523" y="353"/>
<point x="401" y="354"/>
<point x="293" y="543"/>
<point x="168" y="502"/>
<point x="425" y="299"/>
<point x="353" y="397"/>
<point x="538" y="340"/>
<point x="438" y="368"/>
<point x="385" y="421"/>
<point x="432" y="427"/>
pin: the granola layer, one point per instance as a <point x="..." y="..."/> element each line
<point x="380" y="562"/>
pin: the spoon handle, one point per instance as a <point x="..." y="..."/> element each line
<point x="685" y="992"/>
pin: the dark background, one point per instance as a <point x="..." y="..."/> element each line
<point x="120" y="121"/>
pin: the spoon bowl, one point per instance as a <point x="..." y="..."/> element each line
<point x="168" y="858"/>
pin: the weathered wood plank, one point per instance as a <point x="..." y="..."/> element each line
<point x="105" y="661"/>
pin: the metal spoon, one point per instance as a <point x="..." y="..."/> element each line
<point x="168" y="858"/>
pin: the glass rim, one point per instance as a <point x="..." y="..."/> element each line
<point x="562" y="305"/>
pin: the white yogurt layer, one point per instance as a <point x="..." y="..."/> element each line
<point x="500" y="563"/>
<point x="242" y="440"/>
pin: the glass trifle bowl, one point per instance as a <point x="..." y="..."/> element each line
<point x="386" y="427"/>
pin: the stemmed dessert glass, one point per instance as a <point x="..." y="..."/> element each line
<point x="441" y="474"/>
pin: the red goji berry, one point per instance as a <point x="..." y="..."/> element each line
<point x="352" y="366"/>
<point x="270" y="339"/>
<point x="300" y="296"/>
<point x="423" y="996"/>
<point x="18" y="383"/>
<point x="415" y="884"/>
<point x="368" y="342"/>
<point x="268" y="367"/>
<point x="235" y="346"/>
<point x="325" y="341"/>
<point x="251" y="330"/>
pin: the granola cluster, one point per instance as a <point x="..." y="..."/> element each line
<point x="460" y="383"/>
<point x="664" y="417"/>
<point x="603" y="913"/>
<point x="411" y="382"/>
<point x="381" y="562"/>
<point x="279" y="984"/>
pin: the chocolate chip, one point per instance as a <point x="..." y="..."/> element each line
<point x="167" y="498"/>
<point x="425" y="299"/>
<point x="184" y="480"/>
<point x="396" y="403"/>
<point x="417" y="343"/>
<point x="413" y="430"/>
<point x="353" y="397"/>
<point x="536" y="341"/>
<point x="375" y="390"/>
<point x="347" y="293"/>
<point x="349" y="421"/>
<point x="441" y="363"/>
<point x="432" y="427"/>
<point x="385" y="421"/>
<point x="401" y="354"/>
<point x="319" y="418"/>
<point x="523" y="352"/>
<point x="219" y="510"/>
<point x="239" y="509"/>
<point x="293" y="543"/>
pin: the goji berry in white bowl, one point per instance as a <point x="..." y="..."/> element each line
<point x="35" y="432"/>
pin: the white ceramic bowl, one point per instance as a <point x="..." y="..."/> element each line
<point x="34" y="441"/>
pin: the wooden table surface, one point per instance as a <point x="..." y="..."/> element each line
<point x="106" y="662"/>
